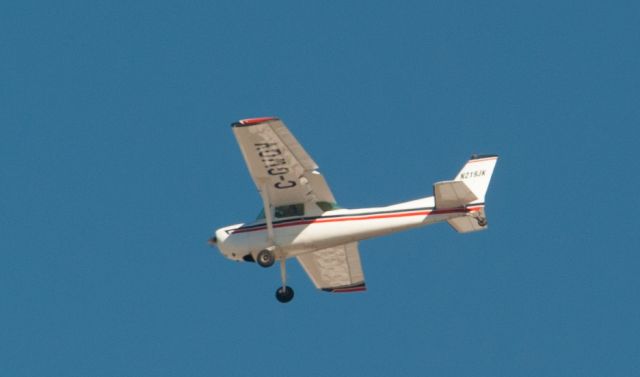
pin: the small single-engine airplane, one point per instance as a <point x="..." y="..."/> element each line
<point x="300" y="217"/>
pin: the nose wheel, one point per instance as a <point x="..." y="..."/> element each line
<point x="265" y="258"/>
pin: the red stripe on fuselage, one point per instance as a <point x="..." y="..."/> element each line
<point x="364" y="217"/>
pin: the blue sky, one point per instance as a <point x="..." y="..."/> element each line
<point x="118" y="162"/>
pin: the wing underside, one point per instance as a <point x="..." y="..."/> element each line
<point x="278" y="163"/>
<point x="335" y="269"/>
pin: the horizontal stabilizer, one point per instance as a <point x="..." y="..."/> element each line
<point x="466" y="224"/>
<point x="452" y="194"/>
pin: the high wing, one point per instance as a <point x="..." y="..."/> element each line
<point x="285" y="174"/>
<point x="336" y="269"/>
<point x="279" y="166"/>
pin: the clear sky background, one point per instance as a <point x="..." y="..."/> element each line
<point x="117" y="162"/>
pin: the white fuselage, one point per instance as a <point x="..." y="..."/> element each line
<point x="302" y="234"/>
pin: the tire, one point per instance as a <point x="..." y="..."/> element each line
<point x="266" y="258"/>
<point x="285" y="295"/>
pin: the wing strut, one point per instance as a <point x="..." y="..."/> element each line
<point x="267" y="211"/>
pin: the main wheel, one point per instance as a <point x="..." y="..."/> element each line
<point x="266" y="258"/>
<point x="284" y="295"/>
<point x="482" y="221"/>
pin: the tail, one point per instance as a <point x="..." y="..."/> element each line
<point x="476" y="175"/>
<point x="468" y="189"/>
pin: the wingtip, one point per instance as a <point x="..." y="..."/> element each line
<point x="481" y="156"/>
<point x="252" y="121"/>
<point x="358" y="287"/>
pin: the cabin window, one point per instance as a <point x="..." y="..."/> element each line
<point x="290" y="210"/>
<point x="327" y="206"/>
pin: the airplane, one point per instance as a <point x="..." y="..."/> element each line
<point x="300" y="217"/>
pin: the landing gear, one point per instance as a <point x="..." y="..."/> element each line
<point x="284" y="294"/>
<point x="266" y="258"/>
<point x="482" y="221"/>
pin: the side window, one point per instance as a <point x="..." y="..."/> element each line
<point x="290" y="210"/>
<point x="326" y="206"/>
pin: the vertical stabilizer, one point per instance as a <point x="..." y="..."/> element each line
<point x="476" y="174"/>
